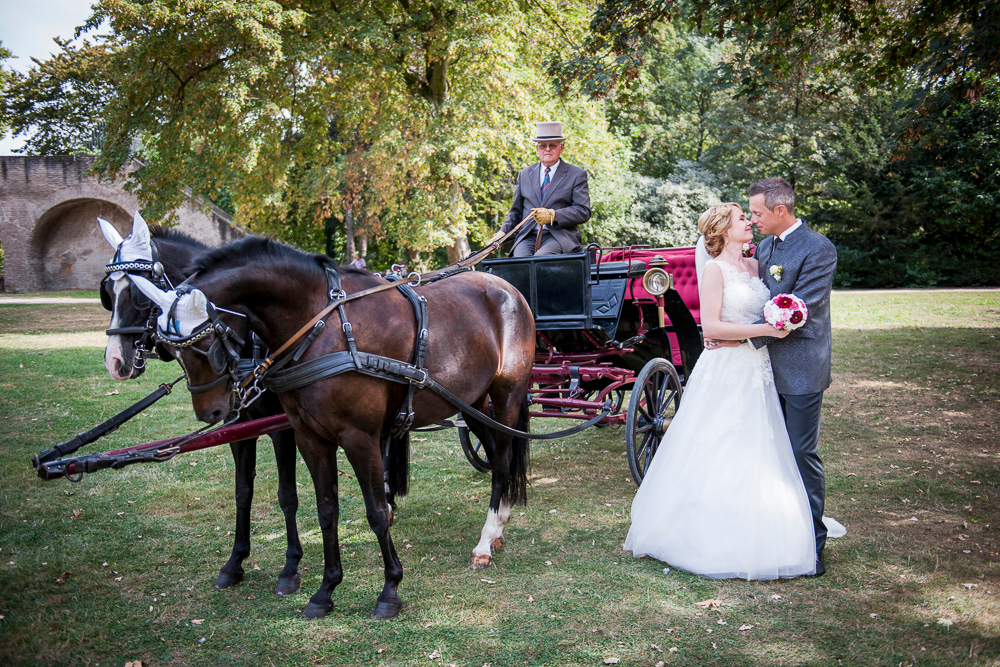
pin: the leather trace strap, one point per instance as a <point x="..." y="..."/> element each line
<point x="337" y="301"/>
<point x="386" y="368"/>
<point x="405" y="415"/>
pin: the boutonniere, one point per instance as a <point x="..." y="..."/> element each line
<point x="775" y="272"/>
<point x="749" y="249"/>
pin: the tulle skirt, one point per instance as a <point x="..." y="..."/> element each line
<point x="722" y="497"/>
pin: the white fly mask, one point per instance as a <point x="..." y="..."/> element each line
<point x="136" y="248"/>
<point x="190" y="313"/>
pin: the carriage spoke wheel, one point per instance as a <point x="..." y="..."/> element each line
<point x="474" y="450"/>
<point x="656" y="395"/>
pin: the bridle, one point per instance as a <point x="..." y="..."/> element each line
<point x="140" y="301"/>
<point x="223" y="354"/>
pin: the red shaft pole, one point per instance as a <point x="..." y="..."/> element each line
<point x="226" y="434"/>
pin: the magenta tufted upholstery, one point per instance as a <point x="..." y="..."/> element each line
<point x="680" y="264"/>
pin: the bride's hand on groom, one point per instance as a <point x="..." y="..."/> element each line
<point x="712" y="343"/>
<point x="778" y="333"/>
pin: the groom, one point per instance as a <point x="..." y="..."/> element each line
<point x="794" y="259"/>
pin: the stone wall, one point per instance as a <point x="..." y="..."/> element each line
<point x="48" y="222"/>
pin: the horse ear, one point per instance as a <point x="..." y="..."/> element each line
<point x="195" y="305"/>
<point x="191" y="312"/>
<point x="140" y="231"/>
<point x="137" y="246"/>
<point x="162" y="299"/>
<point x="110" y="233"/>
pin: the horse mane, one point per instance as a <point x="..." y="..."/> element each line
<point x="261" y="251"/>
<point x="160" y="233"/>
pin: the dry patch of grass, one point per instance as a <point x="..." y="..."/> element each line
<point x="63" y="317"/>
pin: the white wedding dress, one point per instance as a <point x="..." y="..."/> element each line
<point x="722" y="497"/>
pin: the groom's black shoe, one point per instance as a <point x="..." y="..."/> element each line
<point x="820" y="566"/>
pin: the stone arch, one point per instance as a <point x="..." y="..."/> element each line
<point x="67" y="246"/>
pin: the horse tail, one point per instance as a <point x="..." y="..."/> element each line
<point x="517" y="490"/>
<point x="397" y="465"/>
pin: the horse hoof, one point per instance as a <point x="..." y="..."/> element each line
<point x="227" y="579"/>
<point x="386" y="610"/>
<point x="315" y="610"/>
<point x="288" y="585"/>
<point x="479" y="562"/>
<point x="497" y="544"/>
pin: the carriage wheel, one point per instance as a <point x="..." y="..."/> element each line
<point x="656" y="395"/>
<point x="475" y="453"/>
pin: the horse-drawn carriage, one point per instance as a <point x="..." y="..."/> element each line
<point x="568" y="336"/>
<point x="608" y="321"/>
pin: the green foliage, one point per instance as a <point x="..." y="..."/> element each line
<point x="661" y="214"/>
<point x="949" y="44"/>
<point x="5" y="76"/>
<point x="924" y="210"/>
<point x="669" y="115"/>
<point x="59" y="103"/>
<point x="319" y="122"/>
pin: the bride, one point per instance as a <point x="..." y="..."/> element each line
<point x="723" y="497"/>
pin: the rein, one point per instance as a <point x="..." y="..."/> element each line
<point x="103" y="428"/>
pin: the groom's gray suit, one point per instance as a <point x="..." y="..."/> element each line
<point x="801" y="360"/>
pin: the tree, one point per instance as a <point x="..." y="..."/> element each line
<point x="669" y="114"/>
<point x="59" y="103"/>
<point x="949" y="44"/>
<point x="400" y="117"/>
<point x="922" y="209"/>
<point x="5" y="77"/>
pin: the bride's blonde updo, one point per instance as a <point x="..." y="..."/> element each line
<point x="713" y="223"/>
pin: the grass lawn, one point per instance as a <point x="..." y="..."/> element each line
<point x="120" y="567"/>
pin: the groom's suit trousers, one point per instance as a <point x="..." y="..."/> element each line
<point x="802" y="421"/>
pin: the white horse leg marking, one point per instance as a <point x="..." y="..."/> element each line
<point x="496" y="521"/>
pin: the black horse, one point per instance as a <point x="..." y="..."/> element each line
<point x="130" y="342"/>
<point x="479" y="346"/>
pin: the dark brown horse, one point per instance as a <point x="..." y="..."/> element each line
<point x="480" y="348"/>
<point x="130" y="343"/>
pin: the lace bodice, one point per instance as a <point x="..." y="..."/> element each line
<point x="743" y="295"/>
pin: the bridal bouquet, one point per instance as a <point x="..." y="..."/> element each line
<point x="786" y="311"/>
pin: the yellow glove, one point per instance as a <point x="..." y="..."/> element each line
<point x="544" y="216"/>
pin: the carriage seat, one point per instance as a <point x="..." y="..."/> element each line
<point x="681" y="267"/>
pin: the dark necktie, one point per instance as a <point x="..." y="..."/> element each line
<point x="545" y="182"/>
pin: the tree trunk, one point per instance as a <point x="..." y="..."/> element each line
<point x="349" y="232"/>
<point x="460" y="248"/>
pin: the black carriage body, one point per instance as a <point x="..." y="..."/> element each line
<point x="600" y="334"/>
<point x="595" y="312"/>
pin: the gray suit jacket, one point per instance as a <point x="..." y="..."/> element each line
<point x="801" y="360"/>
<point x="567" y="194"/>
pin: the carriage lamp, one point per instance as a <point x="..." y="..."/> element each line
<point x="657" y="281"/>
